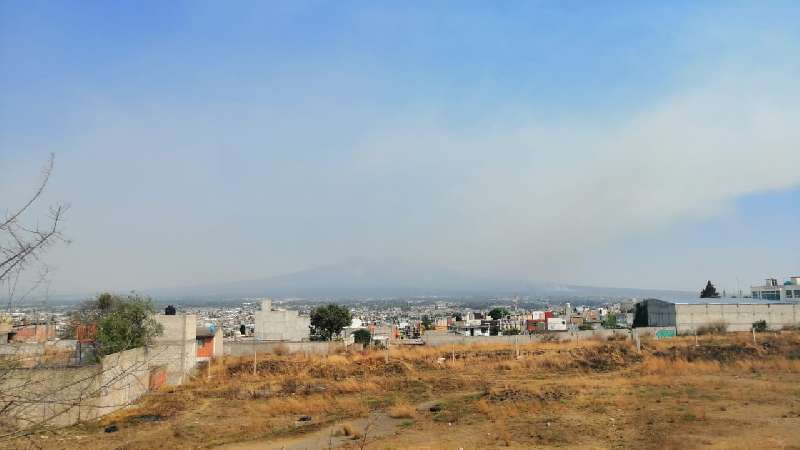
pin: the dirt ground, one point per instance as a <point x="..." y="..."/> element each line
<point x="726" y="393"/>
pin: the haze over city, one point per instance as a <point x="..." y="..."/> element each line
<point x="203" y="143"/>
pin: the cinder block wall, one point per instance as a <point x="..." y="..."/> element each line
<point x="738" y="317"/>
<point x="176" y="347"/>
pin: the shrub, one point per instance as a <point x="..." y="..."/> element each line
<point x="129" y="324"/>
<point x="713" y="328"/>
<point x="362" y="336"/>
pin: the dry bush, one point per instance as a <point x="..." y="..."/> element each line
<point x="664" y="366"/>
<point x="781" y="365"/>
<point x="484" y="407"/>
<point x="715" y="328"/>
<point x="351" y="385"/>
<point x="349" y="430"/>
<point x="402" y="410"/>
<point x="508" y="365"/>
<point x="503" y="435"/>
<point x="280" y="350"/>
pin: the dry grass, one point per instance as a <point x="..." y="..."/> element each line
<point x="672" y="387"/>
<point x="402" y="410"/>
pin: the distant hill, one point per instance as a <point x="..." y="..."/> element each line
<point x="361" y="279"/>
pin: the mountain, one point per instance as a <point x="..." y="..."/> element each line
<point x="371" y="279"/>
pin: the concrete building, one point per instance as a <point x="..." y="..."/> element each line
<point x="471" y="327"/>
<point x="689" y="316"/>
<point x="280" y="324"/>
<point x="176" y="347"/>
<point x="772" y="290"/>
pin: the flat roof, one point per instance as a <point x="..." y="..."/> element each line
<point x="724" y="301"/>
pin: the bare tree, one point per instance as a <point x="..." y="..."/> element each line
<point x="23" y="240"/>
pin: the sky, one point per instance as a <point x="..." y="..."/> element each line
<point x="628" y="144"/>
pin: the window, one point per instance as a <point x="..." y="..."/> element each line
<point x="756" y="294"/>
<point x="796" y="293"/>
<point x="771" y="295"/>
<point x="788" y="293"/>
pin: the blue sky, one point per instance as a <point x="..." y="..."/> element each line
<point x="621" y="144"/>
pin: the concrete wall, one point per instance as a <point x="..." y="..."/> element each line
<point x="219" y="343"/>
<point x="175" y="348"/>
<point x="125" y="376"/>
<point x="738" y="317"/>
<point x="41" y="354"/>
<point x="67" y="395"/>
<point x="280" y="325"/>
<point x="436" y="339"/>
<point x="59" y="397"/>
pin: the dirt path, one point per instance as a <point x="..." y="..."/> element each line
<point x="380" y="425"/>
<point x="377" y="425"/>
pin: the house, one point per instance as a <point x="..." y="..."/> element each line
<point x="280" y="324"/>
<point x="208" y="342"/>
<point x="771" y="290"/>
<point x="472" y="327"/>
<point x="175" y="347"/>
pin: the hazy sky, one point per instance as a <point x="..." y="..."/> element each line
<point x="640" y="144"/>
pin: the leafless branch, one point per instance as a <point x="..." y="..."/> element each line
<point x="22" y="242"/>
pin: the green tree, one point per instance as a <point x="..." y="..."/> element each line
<point x="611" y="321"/>
<point x="709" y="292"/>
<point x="362" y="336"/>
<point x="128" y="324"/>
<point x="91" y="311"/>
<point x="498" y="313"/>
<point x="328" y="320"/>
<point x="427" y="323"/>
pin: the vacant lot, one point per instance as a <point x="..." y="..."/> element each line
<point x="726" y="392"/>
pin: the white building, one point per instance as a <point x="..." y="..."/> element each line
<point x="280" y="324"/>
<point x="772" y="290"/>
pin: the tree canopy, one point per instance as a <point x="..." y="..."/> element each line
<point x="498" y="313"/>
<point x="362" y="336"/>
<point x="427" y="322"/>
<point x="709" y="291"/>
<point x="328" y="320"/>
<point x="611" y="321"/>
<point x="125" y="323"/>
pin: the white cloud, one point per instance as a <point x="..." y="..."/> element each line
<point x="530" y="198"/>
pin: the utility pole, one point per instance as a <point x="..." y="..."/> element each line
<point x="254" y="355"/>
